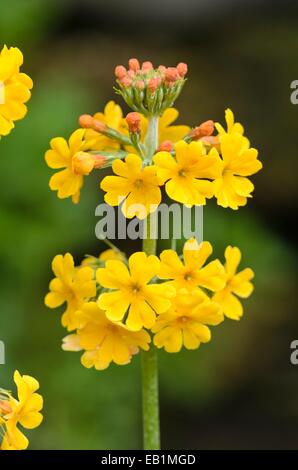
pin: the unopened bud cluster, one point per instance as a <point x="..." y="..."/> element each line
<point x="150" y="90"/>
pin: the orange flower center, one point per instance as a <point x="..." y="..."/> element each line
<point x="188" y="276"/>
<point x="182" y="320"/>
<point x="138" y="183"/>
<point x="135" y="288"/>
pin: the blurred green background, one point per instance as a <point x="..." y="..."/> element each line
<point x="240" y="390"/>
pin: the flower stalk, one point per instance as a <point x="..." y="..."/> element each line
<point x="168" y="301"/>
<point x="150" y="398"/>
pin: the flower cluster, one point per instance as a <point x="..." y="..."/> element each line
<point x="15" y="89"/>
<point x="116" y="305"/>
<point x="24" y="410"/>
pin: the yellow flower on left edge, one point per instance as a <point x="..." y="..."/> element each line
<point x="73" y="162"/>
<point x="73" y="285"/>
<point x="15" y="89"/>
<point x="24" y="411"/>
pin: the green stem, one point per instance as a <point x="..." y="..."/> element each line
<point x="152" y="137"/>
<point x="150" y="401"/>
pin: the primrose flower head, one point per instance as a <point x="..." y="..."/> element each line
<point x="15" y="89"/>
<point x="150" y="90"/>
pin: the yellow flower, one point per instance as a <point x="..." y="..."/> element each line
<point x="184" y="324"/>
<point x="232" y="188"/>
<point x="111" y="254"/>
<point x="15" y="89"/>
<point x="104" y="341"/>
<point x="132" y="296"/>
<point x="24" y="411"/>
<point x="73" y="160"/>
<point x="72" y="285"/>
<point x="188" y="172"/>
<point x="190" y="272"/>
<point x="136" y="187"/>
<point x="168" y="132"/>
<point x="103" y="257"/>
<point x="112" y="117"/>
<point x="232" y="126"/>
<point x="237" y="284"/>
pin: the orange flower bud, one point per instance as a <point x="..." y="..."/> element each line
<point x="182" y="69"/>
<point x="126" y="81"/>
<point x="154" y="83"/>
<point x="99" y="126"/>
<point x="166" y="146"/>
<point x="171" y="74"/>
<point x="212" y="140"/>
<point x="203" y="130"/>
<point x="120" y="72"/>
<point x="99" y="161"/>
<point x="82" y="163"/>
<point x="86" y="121"/>
<point x="5" y="407"/>
<point x="134" y="122"/>
<point x="134" y="64"/>
<point x="146" y="66"/>
<point x="162" y="69"/>
<point x="131" y="73"/>
<point x="140" y="85"/>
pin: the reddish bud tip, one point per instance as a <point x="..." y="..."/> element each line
<point x="99" y="161"/>
<point x="154" y="83"/>
<point x="171" y="74"/>
<point x="99" y="126"/>
<point x="86" y="121"/>
<point x="146" y="66"/>
<point x="131" y="73"/>
<point x="134" y="64"/>
<point x="5" y="407"/>
<point x="203" y="130"/>
<point x="182" y="69"/>
<point x="120" y="72"/>
<point x="134" y="122"/>
<point x="166" y="146"/>
<point x="211" y="140"/>
<point x="140" y="85"/>
<point x="162" y="69"/>
<point x="126" y="81"/>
